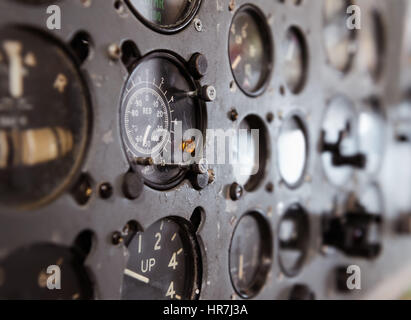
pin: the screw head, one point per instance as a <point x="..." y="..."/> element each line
<point x="208" y="93"/>
<point x="114" y="51"/>
<point x="200" y="167"/>
<point x="117" y="238"/>
<point x="106" y="190"/>
<point x="236" y="191"/>
<point x="198" y="25"/>
<point x="233" y="115"/>
<point x="200" y="181"/>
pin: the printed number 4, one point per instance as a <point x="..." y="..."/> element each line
<point x="173" y="261"/>
<point x="170" y="292"/>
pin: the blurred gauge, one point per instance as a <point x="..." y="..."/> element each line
<point x="338" y="39"/>
<point x="165" y="16"/>
<point x="250" y="254"/>
<point x="295" y="64"/>
<point x="250" y="50"/>
<point x="372" y="45"/>
<point x="292" y="151"/>
<point x="157" y="104"/>
<point x="164" y="263"/>
<point x="371" y="135"/>
<point x="293" y="235"/>
<point x="44" y="118"/>
<point x="402" y="120"/>
<point x="371" y="198"/>
<point x="251" y="152"/>
<point x="25" y="274"/>
<point x="340" y="120"/>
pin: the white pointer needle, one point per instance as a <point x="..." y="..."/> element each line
<point x="146" y="135"/>
<point x="136" y="276"/>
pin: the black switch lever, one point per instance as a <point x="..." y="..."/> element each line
<point x="350" y="233"/>
<point x="358" y="161"/>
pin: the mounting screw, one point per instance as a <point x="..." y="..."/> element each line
<point x="114" y="51"/>
<point x="233" y="115"/>
<point x="208" y="93"/>
<point x="133" y="185"/>
<point x="198" y="24"/>
<point x="106" y="190"/>
<point x="198" y="65"/>
<point x="236" y="191"/>
<point x="200" y="167"/>
<point x="117" y="238"/>
<point x="200" y="181"/>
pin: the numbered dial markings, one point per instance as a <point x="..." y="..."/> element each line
<point x="163" y="264"/>
<point x="250" y="50"/>
<point x="44" y="118"/>
<point x="159" y="105"/>
<point x="250" y="254"/>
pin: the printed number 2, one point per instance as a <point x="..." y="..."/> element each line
<point x="157" y="245"/>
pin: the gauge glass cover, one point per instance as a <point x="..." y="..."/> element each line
<point x="250" y="50"/>
<point x="164" y="263"/>
<point x="44" y="118"/>
<point x="250" y="254"/>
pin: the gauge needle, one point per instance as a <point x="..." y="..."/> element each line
<point x="241" y="267"/>
<point x="236" y="62"/>
<point x="13" y="50"/>
<point x="146" y="135"/>
<point x="136" y="276"/>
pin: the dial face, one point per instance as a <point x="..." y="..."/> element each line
<point x="339" y="40"/>
<point x="165" y="15"/>
<point x="250" y="151"/>
<point x="295" y="53"/>
<point x="293" y="237"/>
<point x="292" y="151"/>
<point x="44" y="118"/>
<point x="25" y="275"/>
<point x="340" y="117"/>
<point x="163" y="264"/>
<point x="371" y="135"/>
<point x="372" y="45"/>
<point x="250" y="254"/>
<point x="250" y="50"/>
<point x="157" y="109"/>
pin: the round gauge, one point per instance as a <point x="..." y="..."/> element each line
<point x="251" y="152"/>
<point x="371" y="127"/>
<point x="250" y="254"/>
<point x="157" y="104"/>
<point x="338" y="39"/>
<point x="371" y="198"/>
<point x="250" y="50"/>
<point x="166" y="16"/>
<point x="372" y="45"/>
<point x="295" y="59"/>
<point x="32" y="273"/>
<point x="340" y="120"/>
<point x="164" y="263"/>
<point x="292" y="150"/>
<point x="293" y="237"/>
<point x="44" y="118"/>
